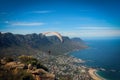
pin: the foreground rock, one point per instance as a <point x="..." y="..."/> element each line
<point x="13" y="69"/>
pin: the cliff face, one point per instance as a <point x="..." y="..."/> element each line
<point x="17" y="44"/>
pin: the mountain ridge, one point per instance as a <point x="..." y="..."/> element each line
<point x="17" y="44"/>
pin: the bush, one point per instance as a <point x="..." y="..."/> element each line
<point x="20" y="75"/>
<point x="33" y="61"/>
<point x="39" y="65"/>
<point x="8" y="59"/>
<point x="26" y="76"/>
<point x="28" y="60"/>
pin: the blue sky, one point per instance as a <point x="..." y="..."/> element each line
<point x="73" y="18"/>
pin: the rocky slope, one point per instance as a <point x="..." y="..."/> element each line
<point x="17" y="44"/>
<point x="24" y="68"/>
<point x="61" y="67"/>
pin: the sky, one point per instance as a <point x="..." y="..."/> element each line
<point x="73" y="18"/>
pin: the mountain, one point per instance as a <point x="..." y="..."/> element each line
<point x="17" y="44"/>
<point x="79" y="41"/>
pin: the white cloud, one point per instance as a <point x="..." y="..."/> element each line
<point x="24" y="23"/>
<point x="27" y="24"/>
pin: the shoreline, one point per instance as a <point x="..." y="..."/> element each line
<point x="94" y="75"/>
<point x="92" y="72"/>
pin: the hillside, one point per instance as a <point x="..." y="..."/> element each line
<point x="24" y="68"/>
<point x="30" y="44"/>
<point x="62" y="67"/>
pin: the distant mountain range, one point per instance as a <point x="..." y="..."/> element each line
<point x="17" y="44"/>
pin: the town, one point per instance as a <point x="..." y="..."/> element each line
<point x="65" y="67"/>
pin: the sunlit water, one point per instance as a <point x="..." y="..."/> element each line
<point x="102" y="53"/>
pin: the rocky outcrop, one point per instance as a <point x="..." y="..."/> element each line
<point x="15" y="68"/>
<point x="14" y="65"/>
<point x="40" y="74"/>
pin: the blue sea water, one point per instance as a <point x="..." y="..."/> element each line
<point x="102" y="53"/>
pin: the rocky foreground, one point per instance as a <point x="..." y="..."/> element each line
<point x="45" y="67"/>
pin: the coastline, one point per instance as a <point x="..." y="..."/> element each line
<point x="94" y="75"/>
<point x="92" y="72"/>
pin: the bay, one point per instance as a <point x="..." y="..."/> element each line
<point x="102" y="54"/>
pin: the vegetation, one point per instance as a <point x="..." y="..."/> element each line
<point x="21" y="74"/>
<point x="8" y="59"/>
<point x="14" y="70"/>
<point x="29" y="68"/>
<point x="28" y="59"/>
<point x="33" y="61"/>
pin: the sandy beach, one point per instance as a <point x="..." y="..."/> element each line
<point x="93" y="74"/>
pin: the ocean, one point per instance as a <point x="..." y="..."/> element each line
<point x="104" y="55"/>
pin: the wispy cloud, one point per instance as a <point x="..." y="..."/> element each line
<point x="93" y="28"/>
<point x="41" y="12"/>
<point x="27" y="24"/>
<point x="100" y="33"/>
<point x="24" y="23"/>
<point x="6" y="22"/>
